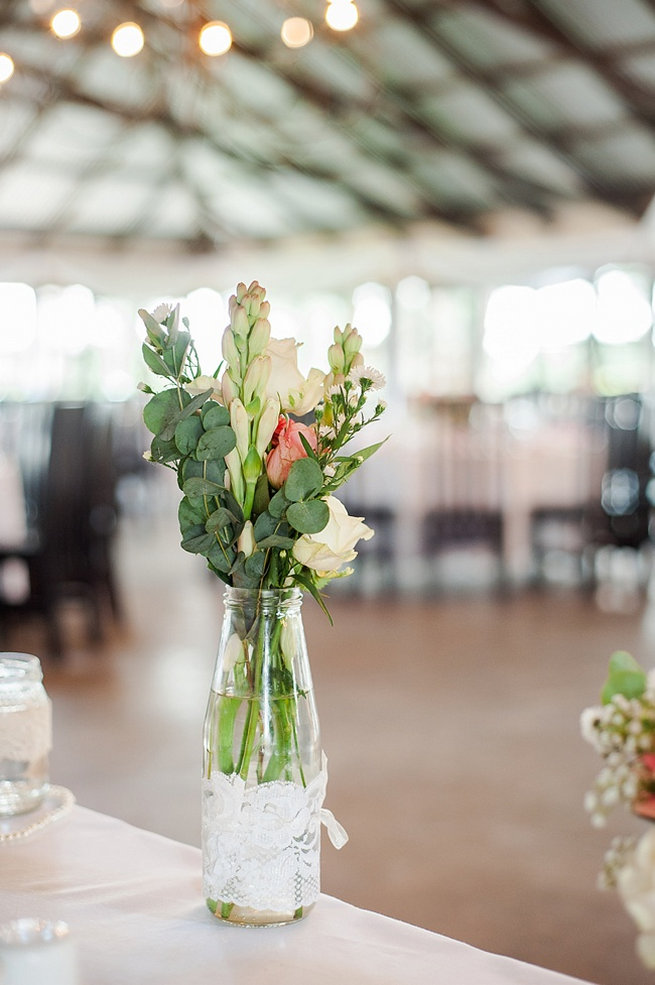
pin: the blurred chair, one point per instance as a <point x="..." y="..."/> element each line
<point x="463" y="480"/>
<point x="622" y="513"/>
<point x="65" y="456"/>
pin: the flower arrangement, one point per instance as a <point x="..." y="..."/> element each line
<point x="258" y="449"/>
<point x="257" y="477"/>
<point x="622" y="730"/>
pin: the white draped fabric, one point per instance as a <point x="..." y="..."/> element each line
<point x="133" y="903"/>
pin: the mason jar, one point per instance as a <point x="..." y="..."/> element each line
<point x="25" y="733"/>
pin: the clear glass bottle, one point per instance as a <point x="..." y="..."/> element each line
<point x="263" y="774"/>
<point x="25" y="733"/>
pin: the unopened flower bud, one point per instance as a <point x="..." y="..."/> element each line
<point x="336" y="359"/>
<point x="267" y="424"/>
<point x="240" y="426"/>
<point x="246" y="541"/>
<point x="231" y="354"/>
<point x="229" y="389"/>
<point x="259" y="336"/>
<point x="239" y="322"/>
<point x="256" y="378"/>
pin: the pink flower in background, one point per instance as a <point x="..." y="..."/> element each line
<point x="287" y="449"/>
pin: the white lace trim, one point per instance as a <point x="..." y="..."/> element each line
<point x="25" y="729"/>
<point x="261" y="844"/>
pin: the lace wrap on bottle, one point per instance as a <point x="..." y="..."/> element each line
<point x="262" y="843"/>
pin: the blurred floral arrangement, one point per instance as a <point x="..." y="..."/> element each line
<point x="622" y="730"/>
<point x="257" y="446"/>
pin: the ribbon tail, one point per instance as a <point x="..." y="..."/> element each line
<point x="336" y="832"/>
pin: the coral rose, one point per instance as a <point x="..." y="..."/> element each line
<point x="287" y="449"/>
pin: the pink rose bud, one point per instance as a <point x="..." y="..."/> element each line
<point x="287" y="449"/>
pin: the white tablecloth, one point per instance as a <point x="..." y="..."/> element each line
<point x="133" y="903"/>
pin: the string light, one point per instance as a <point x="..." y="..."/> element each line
<point x="296" y="32"/>
<point x="127" y="39"/>
<point x="66" y="23"/>
<point x="215" y="38"/>
<point x="341" y="15"/>
<point x="6" y="67"/>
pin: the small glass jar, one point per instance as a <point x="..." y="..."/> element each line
<point x="34" y="951"/>
<point x="25" y="733"/>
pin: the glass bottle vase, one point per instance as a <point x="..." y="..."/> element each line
<point x="264" y="775"/>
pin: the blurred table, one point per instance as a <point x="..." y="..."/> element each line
<point x="133" y="903"/>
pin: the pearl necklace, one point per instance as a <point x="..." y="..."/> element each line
<point x="64" y="803"/>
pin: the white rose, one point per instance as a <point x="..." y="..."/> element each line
<point x="636" y="885"/>
<point x="201" y="384"/>
<point x="297" y="395"/>
<point x="333" y="546"/>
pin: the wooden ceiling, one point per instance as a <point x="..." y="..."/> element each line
<point x="454" y="112"/>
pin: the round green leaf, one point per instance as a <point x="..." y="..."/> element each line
<point x="214" y="415"/>
<point x="305" y="479"/>
<point x="187" y="433"/>
<point x="162" y="412"/>
<point x="216" y="443"/>
<point x="309" y="517"/>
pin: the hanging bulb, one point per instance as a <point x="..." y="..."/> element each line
<point x="341" y="15"/>
<point x="215" y="38"/>
<point x="65" y="23"/>
<point x="127" y="39"/>
<point x="296" y="32"/>
<point x="6" y="67"/>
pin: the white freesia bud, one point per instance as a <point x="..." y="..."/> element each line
<point x="239" y="322"/>
<point x="231" y="353"/>
<point x="229" y="389"/>
<point x="246" y="541"/>
<point x="259" y="336"/>
<point x="256" y="378"/>
<point x="336" y="358"/>
<point x="267" y="424"/>
<point x="237" y="484"/>
<point x="240" y="426"/>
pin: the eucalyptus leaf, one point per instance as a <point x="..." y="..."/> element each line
<point x="175" y="354"/>
<point x="216" y="443"/>
<point x="278" y="504"/>
<point x="162" y="412"/>
<point x="163" y="451"/>
<point x="196" y="487"/>
<point x="220" y="519"/>
<point x="196" y="542"/>
<point x="214" y="471"/>
<point x="214" y="415"/>
<point x="265" y="525"/>
<point x="305" y="479"/>
<point x="153" y="328"/>
<point x="309" y="517"/>
<point x="254" y="566"/>
<point x="189" y="515"/>
<point x="187" y="433"/>
<point x="275" y="540"/>
<point x="221" y="559"/>
<point x="154" y="361"/>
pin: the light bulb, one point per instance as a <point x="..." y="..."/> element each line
<point x="215" y="38"/>
<point x="341" y="15"/>
<point x="296" y="32"/>
<point x="65" y="23"/>
<point x="127" y="39"/>
<point x="6" y="67"/>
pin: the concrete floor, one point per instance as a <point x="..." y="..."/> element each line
<point x="451" y="728"/>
